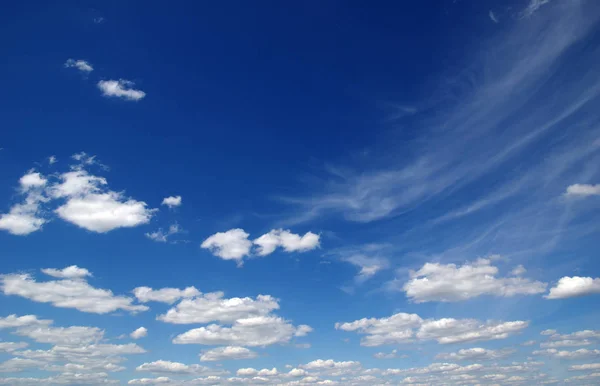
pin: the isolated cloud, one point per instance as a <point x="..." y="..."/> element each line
<point x="71" y="272"/>
<point x="403" y="328"/>
<point x="230" y="245"/>
<point x="227" y="353"/>
<point x="251" y="332"/>
<point x="568" y="287"/>
<point x="164" y="295"/>
<point x="24" y="218"/>
<point x="139" y="333"/>
<point x="289" y="241"/>
<point x="81" y="65"/>
<point x="451" y="283"/>
<point x="583" y="190"/>
<point x="172" y="201"/>
<point x="120" y="89"/>
<point x="213" y="306"/>
<point x="67" y="293"/>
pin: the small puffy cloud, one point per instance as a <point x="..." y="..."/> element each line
<point x="583" y="190"/>
<point x="403" y="328"/>
<point x="162" y="236"/>
<point x="120" y="89"/>
<point x="139" y="333"/>
<point x="52" y="160"/>
<point x="451" y="283"/>
<point x="577" y="354"/>
<point x="71" y="272"/>
<point x="548" y="332"/>
<point x="81" y="65"/>
<point x="568" y="287"/>
<point x="168" y="367"/>
<point x="230" y="245"/>
<point x="252" y="332"/>
<point x="164" y="295"/>
<point x="289" y="241"/>
<point x="67" y="293"/>
<point x="24" y="218"/>
<point x="227" y="353"/>
<point x="476" y="354"/>
<point x="250" y="372"/>
<point x="172" y="201"/>
<point x="214" y="306"/>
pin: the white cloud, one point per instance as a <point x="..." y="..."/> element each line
<point x="391" y="355"/>
<point x="162" y="236"/>
<point x="9" y="347"/>
<point x="150" y="381"/>
<point x="71" y="272"/>
<point x="121" y="89"/>
<point x="577" y="354"/>
<point x="585" y="367"/>
<point x="402" y="328"/>
<point x="449" y="283"/>
<point x="24" y="218"/>
<point x="13" y="320"/>
<point x="227" y="353"/>
<point x="52" y="160"/>
<point x="168" y="367"/>
<point x="583" y="190"/>
<point x="81" y="65"/>
<point x="67" y="293"/>
<point x="139" y="333"/>
<point x="172" y="201"/>
<point x="566" y="343"/>
<point x="214" y="307"/>
<point x="230" y="245"/>
<point x="493" y="17"/>
<point x="289" y="241"/>
<point x="72" y="336"/>
<point x="476" y="354"/>
<point x="548" y="332"/>
<point x="253" y="331"/>
<point x="164" y="295"/>
<point x="518" y="270"/>
<point x="568" y="287"/>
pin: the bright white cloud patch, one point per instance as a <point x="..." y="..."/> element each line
<point x="403" y="328"/>
<point x="564" y="354"/>
<point x="583" y="190"/>
<point x="24" y="218"/>
<point x="451" y="283"/>
<point x="289" y="241"/>
<point x="172" y="201"/>
<point x="120" y="89"/>
<point x="81" y="65"/>
<point x="168" y="367"/>
<point x="230" y="245"/>
<point x="67" y="293"/>
<point x="214" y="307"/>
<point x="71" y="272"/>
<point x="162" y="236"/>
<point x="139" y="333"/>
<point x="164" y="295"/>
<point x="568" y="287"/>
<point x="476" y="354"/>
<point x="227" y="353"/>
<point x="251" y="332"/>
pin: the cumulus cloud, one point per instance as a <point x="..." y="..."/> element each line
<point x="568" y="287"/>
<point x="172" y="201"/>
<point x="583" y="190"/>
<point x="230" y="245"/>
<point x="9" y="347"/>
<point x="139" y="333"/>
<point x="164" y="295"/>
<point x="476" y="354"/>
<point x="451" y="283"/>
<point x="168" y="367"/>
<point x="252" y="332"/>
<point x="81" y="65"/>
<point x="290" y="242"/>
<point x="12" y="321"/>
<point x="235" y="245"/>
<point x="71" y="272"/>
<point x="403" y="328"/>
<point x="67" y="293"/>
<point x="25" y="218"/>
<point x="577" y="354"/>
<point x="227" y="353"/>
<point x="120" y="89"/>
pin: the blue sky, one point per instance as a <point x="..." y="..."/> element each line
<point x="312" y="193"/>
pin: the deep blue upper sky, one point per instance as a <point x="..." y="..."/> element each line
<point x="433" y="160"/>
